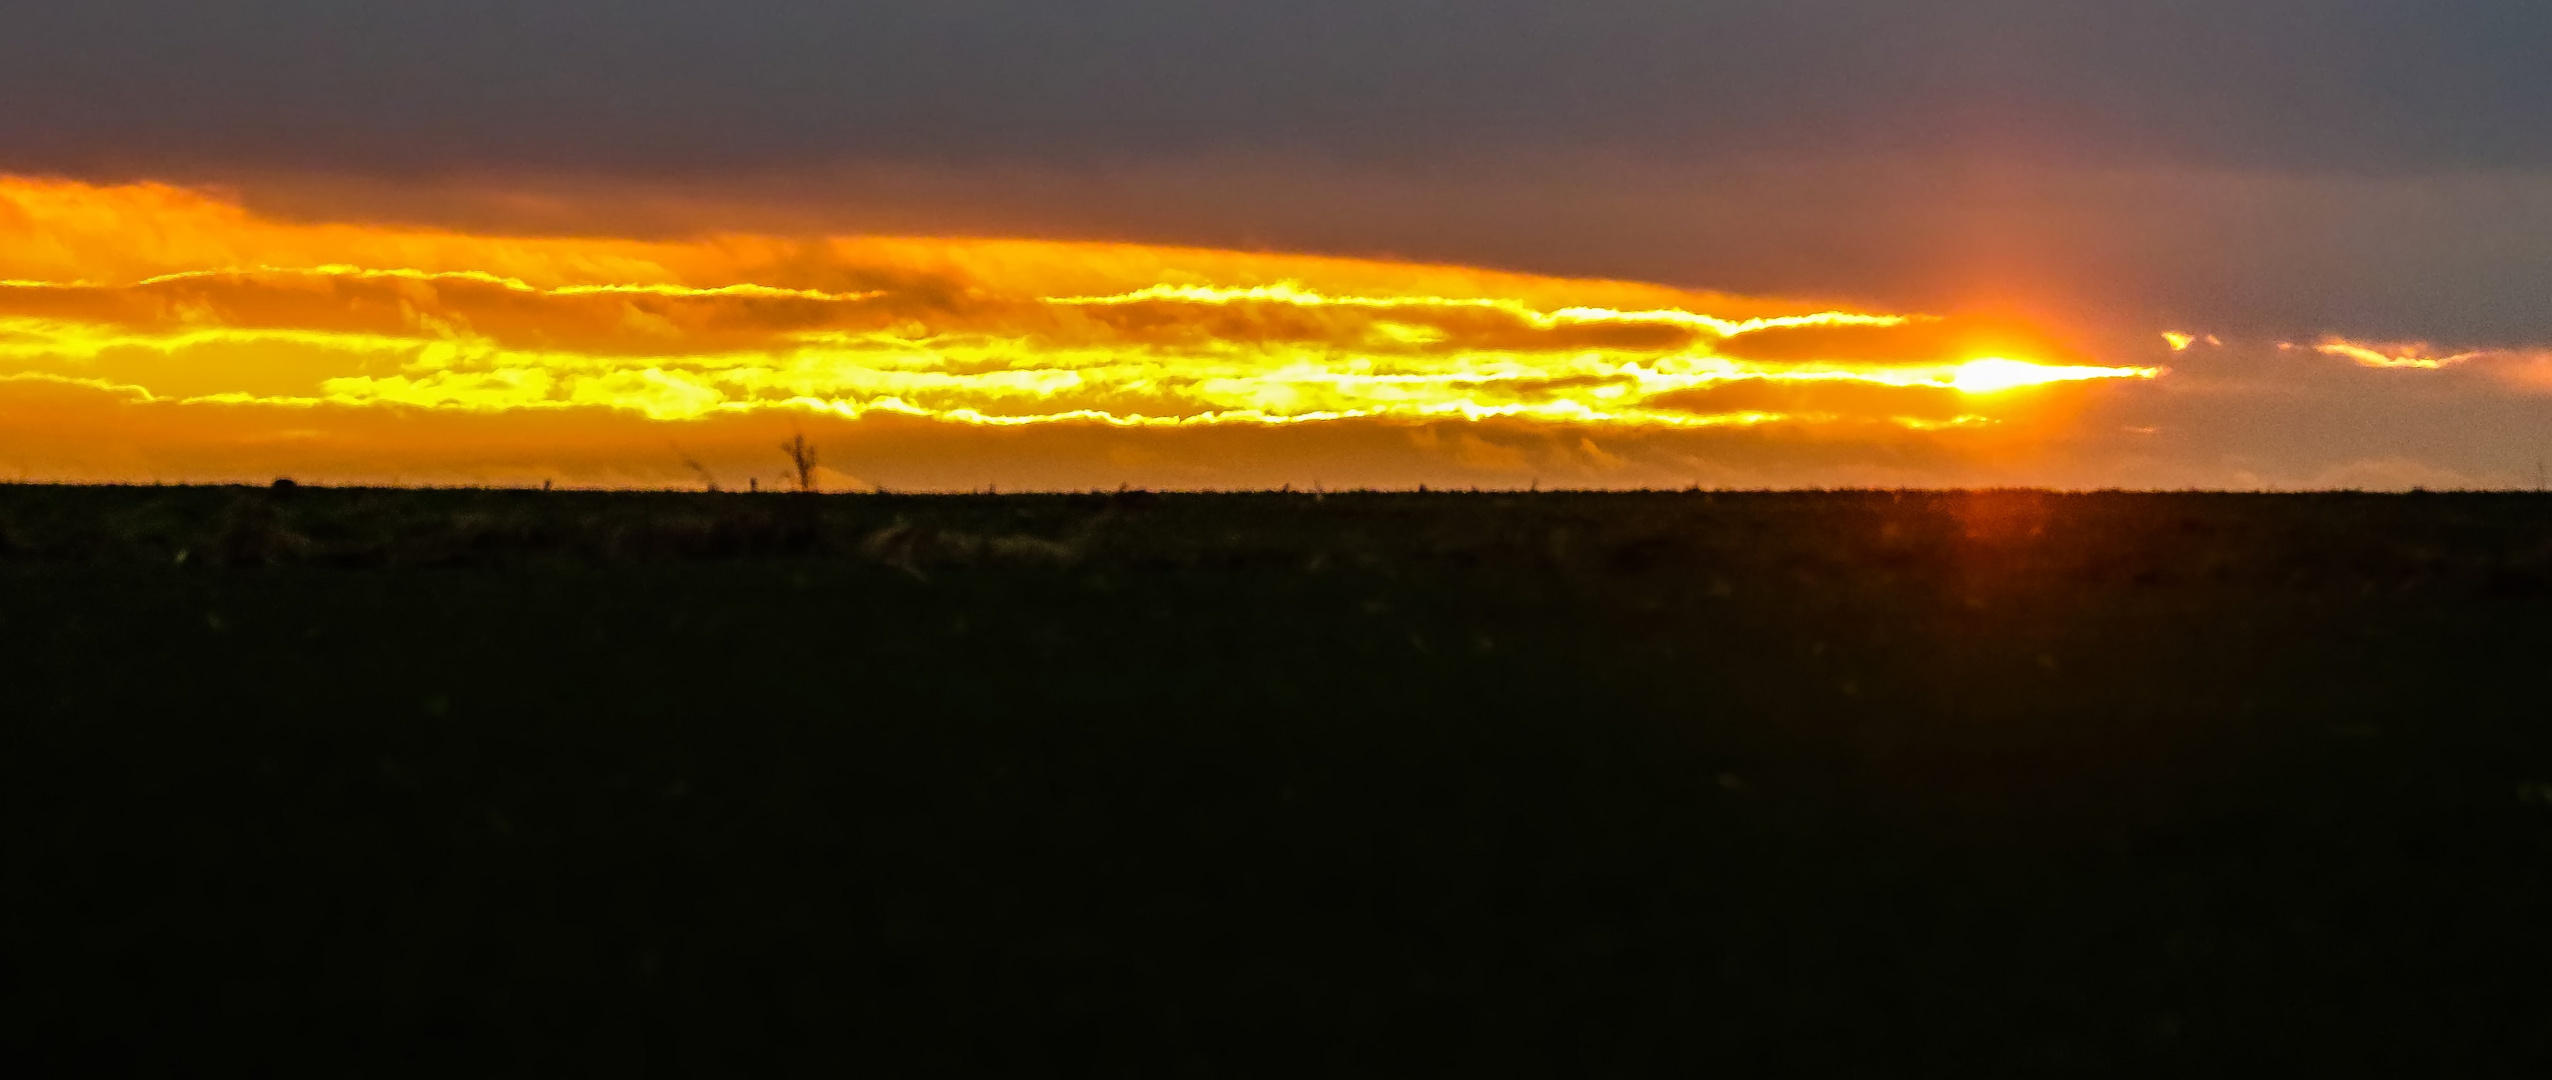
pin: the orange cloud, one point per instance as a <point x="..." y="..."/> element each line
<point x="2412" y="355"/>
<point x="185" y="308"/>
<point x="2528" y="369"/>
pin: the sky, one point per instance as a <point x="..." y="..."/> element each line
<point x="1496" y="243"/>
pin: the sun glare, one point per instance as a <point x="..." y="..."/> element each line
<point x="1994" y="373"/>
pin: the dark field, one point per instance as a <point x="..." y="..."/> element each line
<point x="462" y="783"/>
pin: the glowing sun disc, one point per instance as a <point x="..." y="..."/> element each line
<point x="1994" y="373"/>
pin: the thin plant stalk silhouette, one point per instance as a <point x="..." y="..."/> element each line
<point x="705" y="476"/>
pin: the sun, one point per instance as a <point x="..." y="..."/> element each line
<point x="1989" y="374"/>
<point x="1992" y="374"/>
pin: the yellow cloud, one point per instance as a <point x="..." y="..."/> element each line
<point x="186" y="298"/>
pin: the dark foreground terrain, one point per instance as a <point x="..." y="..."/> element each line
<point x="469" y="783"/>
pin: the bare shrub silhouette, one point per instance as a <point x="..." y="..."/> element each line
<point x="801" y="457"/>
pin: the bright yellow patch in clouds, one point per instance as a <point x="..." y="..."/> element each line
<point x="162" y="294"/>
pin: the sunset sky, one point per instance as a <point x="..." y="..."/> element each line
<point x="2276" y="243"/>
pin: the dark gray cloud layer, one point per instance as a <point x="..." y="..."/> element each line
<point x="2381" y="86"/>
<point x="2269" y="168"/>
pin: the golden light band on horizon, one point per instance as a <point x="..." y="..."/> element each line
<point x="162" y="294"/>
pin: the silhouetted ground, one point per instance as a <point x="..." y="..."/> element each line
<point x="469" y="782"/>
